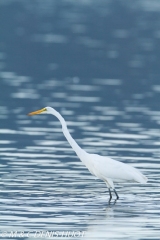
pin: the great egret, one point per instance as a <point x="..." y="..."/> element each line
<point x="105" y="168"/>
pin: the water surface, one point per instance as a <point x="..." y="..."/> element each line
<point x="109" y="98"/>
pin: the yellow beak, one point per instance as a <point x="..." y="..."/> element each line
<point x="37" y="112"/>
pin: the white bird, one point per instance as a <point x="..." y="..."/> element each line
<point x="105" y="168"/>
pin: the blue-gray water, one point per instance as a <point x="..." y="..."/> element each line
<point x="97" y="63"/>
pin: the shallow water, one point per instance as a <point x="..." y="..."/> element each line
<point x="45" y="189"/>
<point x="44" y="186"/>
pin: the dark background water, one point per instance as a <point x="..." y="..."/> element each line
<point x="97" y="62"/>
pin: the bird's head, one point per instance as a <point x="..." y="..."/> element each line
<point x="40" y="111"/>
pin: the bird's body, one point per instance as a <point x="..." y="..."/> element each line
<point x="104" y="168"/>
<point x="108" y="169"/>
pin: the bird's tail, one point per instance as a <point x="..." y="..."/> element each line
<point x="139" y="177"/>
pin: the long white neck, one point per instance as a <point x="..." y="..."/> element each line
<point x="69" y="138"/>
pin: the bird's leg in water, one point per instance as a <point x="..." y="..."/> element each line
<point x="110" y="195"/>
<point x="116" y="194"/>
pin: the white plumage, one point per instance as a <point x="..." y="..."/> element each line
<point x="105" y="168"/>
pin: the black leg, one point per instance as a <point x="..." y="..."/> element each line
<point x="110" y="194"/>
<point x="116" y="194"/>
